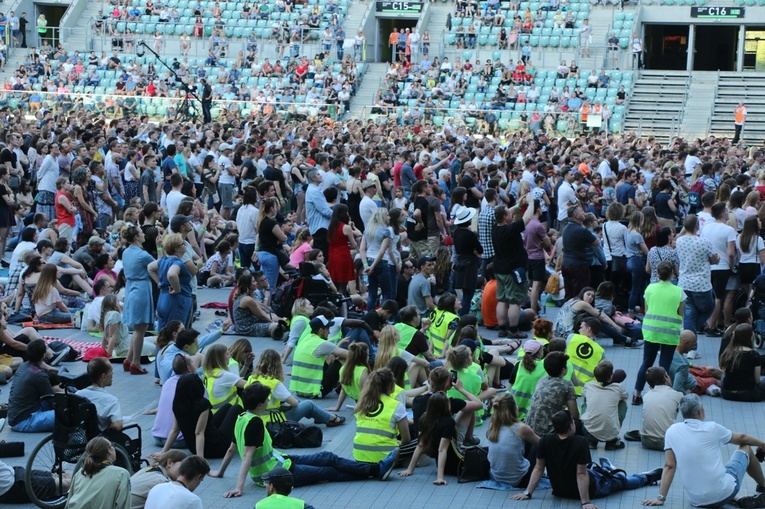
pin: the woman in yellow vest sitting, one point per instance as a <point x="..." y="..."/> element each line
<point x="663" y="322"/>
<point x="353" y="374"/>
<point x="379" y="419"/>
<point x="269" y="372"/>
<point x="443" y="323"/>
<point x="388" y="348"/>
<point x="259" y="457"/>
<point x="242" y="357"/>
<point x="401" y="392"/>
<point x="529" y="371"/>
<point x="302" y="310"/>
<point x="488" y="353"/>
<point x="437" y="438"/>
<point x="461" y="360"/>
<point x="220" y="383"/>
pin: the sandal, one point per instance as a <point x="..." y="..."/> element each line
<point x="515" y="345"/>
<point x="337" y="421"/>
<point x="220" y="312"/>
<point x="615" y="445"/>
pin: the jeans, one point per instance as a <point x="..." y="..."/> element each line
<point x="736" y="467"/>
<point x="636" y="266"/>
<point x="180" y="443"/>
<point x="606" y="485"/>
<point x="39" y="422"/>
<point x="698" y="309"/>
<point x="614" y="334"/>
<point x="359" y="335"/>
<point x="245" y="255"/>
<point x="327" y="467"/>
<point x="309" y="410"/>
<point x="104" y="220"/>
<point x="270" y="265"/>
<point x="650" y="350"/>
<point x="379" y="278"/>
<point x="55" y="316"/>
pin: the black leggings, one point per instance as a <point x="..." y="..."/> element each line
<point x="223" y="422"/>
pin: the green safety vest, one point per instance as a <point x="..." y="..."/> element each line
<point x="307" y="370"/>
<point x="306" y="330"/>
<point x="42" y="26"/>
<point x="662" y="324"/>
<point x="217" y="403"/>
<point x="374" y="438"/>
<point x="264" y="459"/>
<point x="584" y="354"/>
<point x="277" y="501"/>
<point x="520" y="353"/>
<point x="471" y="381"/>
<point x="523" y="388"/>
<point x="405" y="333"/>
<point x="354" y="390"/>
<point x="439" y="330"/>
<point x="273" y="403"/>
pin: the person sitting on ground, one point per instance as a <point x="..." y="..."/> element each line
<point x="606" y="408"/>
<point x="552" y="393"/>
<point x="269" y="372"/>
<point x="742" y="366"/>
<point x="529" y="370"/>
<point x="165" y="469"/>
<point x="99" y="483"/>
<point x="253" y="443"/>
<point x="692" y="449"/>
<point x="660" y="406"/>
<point x="110" y="420"/>
<point x="187" y="344"/>
<point x="92" y="315"/>
<point x="566" y="456"/>
<point x="216" y="271"/>
<point x="687" y="378"/>
<point x="47" y="301"/>
<point x="13" y="487"/>
<point x="353" y="374"/>
<point x="302" y="310"/>
<point x="180" y="492"/>
<point x="509" y="440"/>
<point x="27" y="413"/>
<point x="220" y="383"/>
<point x="411" y="329"/>
<point x="251" y="318"/>
<point x="163" y="422"/>
<point x="309" y="378"/>
<point x="116" y="336"/>
<point x="565" y="322"/>
<point x="278" y="484"/>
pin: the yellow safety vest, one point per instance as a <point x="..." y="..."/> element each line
<point x="307" y="370"/>
<point x="277" y="501"/>
<point x="662" y="324"/>
<point x="374" y="437"/>
<point x="438" y="332"/>
<point x="273" y="403"/>
<point x="230" y="397"/>
<point x="584" y="354"/>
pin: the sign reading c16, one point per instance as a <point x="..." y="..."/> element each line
<point x="718" y="12"/>
<point x="400" y="7"/>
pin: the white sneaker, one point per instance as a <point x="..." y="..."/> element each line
<point x="714" y="391"/>
<point x="693" y="354"/>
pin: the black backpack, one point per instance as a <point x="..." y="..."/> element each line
<point x="285" y="295"/>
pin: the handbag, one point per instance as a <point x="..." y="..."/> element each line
<point x="288" y="434"/>
<point x="474" y="465"/>
<point x="553" y="284"/>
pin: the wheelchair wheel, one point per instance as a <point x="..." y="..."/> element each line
<point x="45" y="490"/>
<point x="122" y="461"/>
<point x="759" y="340"/>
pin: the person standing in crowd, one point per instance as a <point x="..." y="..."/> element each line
<point x="318" y="212"/>
<point x="577" y="242"/>
<point x="722" y="237"/>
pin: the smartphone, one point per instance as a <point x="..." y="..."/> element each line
<point x="454" y="376"/>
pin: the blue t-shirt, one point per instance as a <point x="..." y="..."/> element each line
<point x="624" y="192"/>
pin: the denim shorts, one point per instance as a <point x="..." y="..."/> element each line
<point x="736" y="467"/>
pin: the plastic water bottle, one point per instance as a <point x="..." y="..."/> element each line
<point x="543" y="304"/>
<point x="365" y="280"/>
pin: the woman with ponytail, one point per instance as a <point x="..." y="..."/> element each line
<point x="379" y="418"/>
<point x="99" y="484"/>
<point x="509" y="437"/>
<point x="353" y="374"/>
<point x="388" y="348"/>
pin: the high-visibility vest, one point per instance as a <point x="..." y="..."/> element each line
<point x="353" y="390"/>
<point x="438" y="331"/>
<point x="217" y="403"/>
<point x="405" y="334"/>
<point x="471" y="381"/>
<point x="374" y="438"/>
<point x="740" y="114"/>
<point x="306" y="329"/>
<point x="524" y="386"/>
<point x="277" y="501"/>
<point x="273" y="404"/>
<point x="42" y="26"/>
<point x="307" y="370"/>
<point x="264" y="459"/>
<point x="584" y="354"/>
<point x="662" y="324"/>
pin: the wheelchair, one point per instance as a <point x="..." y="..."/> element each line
<point x="76" y="423"/>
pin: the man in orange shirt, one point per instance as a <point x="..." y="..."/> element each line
<point x="584" y="111"/>
<point x="393" y="43"/>
<point x="740" y="112"/>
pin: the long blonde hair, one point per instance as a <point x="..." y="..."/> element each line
<point x="46" y="282"/>
<point x="504" y="413"/>
<point x="376" y="221"/>
<point x="379" y="382"/>
<point x="215" y="358"/>
<point x="265" y="207"/>
<point x="388" y="346"/>
<point x="269" y="365"/>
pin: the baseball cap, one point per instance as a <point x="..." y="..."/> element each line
<point x="320" y="322"/>
<point x="368" y="183"/>
<point x="425" y="259"/>
<point x="177" y="221"/>
<point x="279" y="477"/>
<point x="95" y="239"/>
<point x="226" y="146"/>
<point x="531" y="346"/>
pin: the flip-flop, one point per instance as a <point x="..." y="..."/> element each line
<point x="337" y="421"/>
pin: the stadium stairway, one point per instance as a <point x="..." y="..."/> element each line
<point x="699" y="105"/>
<point x="656" y="103"/>
<point x="601" y="20"/>
<point x="365" y="95"/>
<point x="732" y="87"/>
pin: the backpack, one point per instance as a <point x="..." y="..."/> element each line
<point x="285" y="295"/>
<point x="697" y="189"/>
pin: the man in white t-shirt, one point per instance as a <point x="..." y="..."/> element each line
<point x="692" y="448"/>
<point x="367" y="206"/>
<point x="175" y="196"/>
<point x="566" y="198"/>
<point x="92" y="318"/>
<point x="723" y="240"/>
<point x="179" y="494"/>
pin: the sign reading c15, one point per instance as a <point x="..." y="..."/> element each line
<point x="400" y="7"/>
<point x="718" y="12"/>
